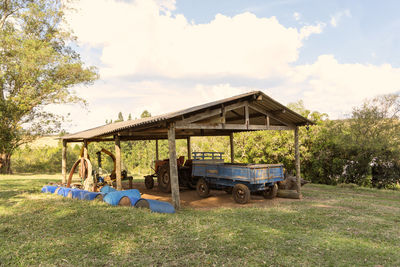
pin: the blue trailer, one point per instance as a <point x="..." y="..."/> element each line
<point x="238" y="179"/>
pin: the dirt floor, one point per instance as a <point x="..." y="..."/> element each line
<point x="217" y="199"/>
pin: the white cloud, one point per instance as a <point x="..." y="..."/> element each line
<point x="308" y="30"/>
<point x="296" y="16"/>
<point x="151" y="59"/>
<point x="338" y="16"/>
<point x="332" y="87"/>
<point x="138" y="39"/>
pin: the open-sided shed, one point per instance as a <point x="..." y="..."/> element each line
<point x="253" y="111"/>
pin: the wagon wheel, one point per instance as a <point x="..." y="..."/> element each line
<point x="202" y="188"/>
<point x="241" y="193"/>
<point x="149" y="182"/>
<point x="163" y="179"/>
<point x="271" y="192"/>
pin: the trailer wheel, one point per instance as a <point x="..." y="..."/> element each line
<point x="202" y="188"/>
<point x="241" y="193"/>
<point x="149" y="182"/>
<point x="163" y="179"/>
<point x="271" y="192"/>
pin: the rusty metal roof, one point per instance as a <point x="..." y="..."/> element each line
<point x="266" y="103"/>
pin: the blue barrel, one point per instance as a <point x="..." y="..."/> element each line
<point x="86" y="195"/>
<point x="76" y="193"/>
<point x="113" y="198"/>
<point x="128" y="201"/>
<point x="64" y="191"/>
<point x="107" y="189"/>
<point x="155" y="205"/>
<point x="49" y="188"/>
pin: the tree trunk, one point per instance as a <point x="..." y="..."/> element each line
<point x="5" y="163"/>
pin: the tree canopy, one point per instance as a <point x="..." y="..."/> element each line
<point x="38" y="67"/>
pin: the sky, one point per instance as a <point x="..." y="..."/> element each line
<point x="165" y="55"/>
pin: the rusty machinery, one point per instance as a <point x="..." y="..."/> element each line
<point x="109" y="179"/>
<point x="162" y="173"/>
<point x="91" y="179"/>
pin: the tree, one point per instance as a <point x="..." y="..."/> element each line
<point x="129" y="117"/>
<point x="145" y="114"/>
<point x="38" y="67"/>
<point x="120" y="117"/>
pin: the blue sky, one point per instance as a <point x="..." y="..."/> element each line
<point x="370" y="35"/>
<point x="164" y="55"/>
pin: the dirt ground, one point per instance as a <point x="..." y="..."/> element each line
<point x="217" y="199"/>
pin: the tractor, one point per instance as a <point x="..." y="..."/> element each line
<point x="161" y="172"/>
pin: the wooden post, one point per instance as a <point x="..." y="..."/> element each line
<point x="118" y="162"/>
<point x="232" y="148"/>
<point x="246" y="115"/>
<point x="64" y="162"/>
<point x="189" y="148"/>
<point x="173" y="167"/>
<point x="297" y="159"/>
<point x="85" y="149"/>
<point x="156" y="149"/>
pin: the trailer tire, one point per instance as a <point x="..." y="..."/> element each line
<point x="271" y="192"/>
<point x="241" y="193"/>
<point x="202" y="188"/>
<point x="149" y="182"/>
<point x="164" y="179"/>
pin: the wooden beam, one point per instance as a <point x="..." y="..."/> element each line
<point x="232" y="148"/>
<point x="269" y="114"/>
<point x="173" y="167"/>
<point x="189" y="148"/>
<point x="118" y="162"/>
<point x="85" y="149"/>
<point x="64" y="162"/>
<point x="222" y="126"/>
<point x="214" y="112"/>
<point x="237" y="114"/>
<point x="246" y="115"/>
<point x="223" y="114"/>
<point x="297" y="159"/>
<point x="157" y="149"/>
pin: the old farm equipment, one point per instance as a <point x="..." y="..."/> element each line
<point x="111" y="178"/>
<point x="92" y="179"/>
<point x="238" y="179"/>
<point x="162" y="173"/>
<point x="208" y="171"/>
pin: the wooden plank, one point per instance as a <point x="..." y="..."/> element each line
<point x="297" y="158"/>
<point x="173" y="167"/>
<point x="246" y="115"/>
<point x="232" y="148"/>
<point x="214" y="112"/>
<point x="157" y="149"/>
<point x="293" y="194"/>
<point x="118" y="162"/>
<point x="204" y="115"/>
<point x="64" y="162"/>
<point x="222" y="126"/>
<point x="269" y="114"/>
<point x="189" y="148"/>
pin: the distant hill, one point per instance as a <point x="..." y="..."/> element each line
<point x="50" y="140"/>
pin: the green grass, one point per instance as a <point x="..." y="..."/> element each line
<point x="332" y="226"/>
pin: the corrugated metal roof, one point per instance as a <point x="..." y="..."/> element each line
<point x="268" y="104"/>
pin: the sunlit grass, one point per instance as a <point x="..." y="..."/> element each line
<point x="332" y="226"/>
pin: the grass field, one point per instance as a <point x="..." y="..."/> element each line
<point x="332" y="226"/>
